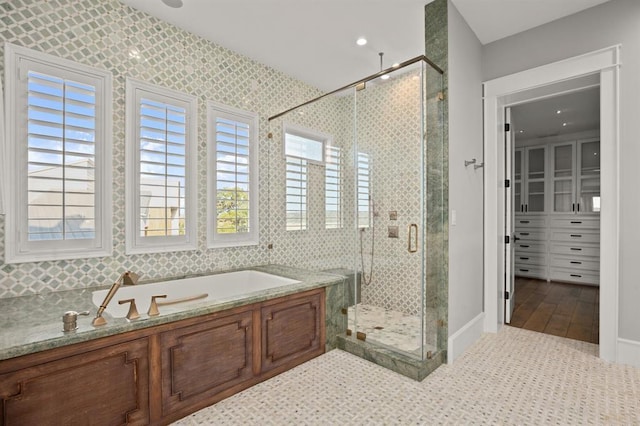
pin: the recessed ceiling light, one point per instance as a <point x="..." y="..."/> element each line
<point x="564" y="124"/>
<point x="361" y="41"/>
<point x="173" y="3"/>
<point x="559" y="111"/>
<point x="521" y="131"/>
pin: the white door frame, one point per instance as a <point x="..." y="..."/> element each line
<point x="497" y="92"/>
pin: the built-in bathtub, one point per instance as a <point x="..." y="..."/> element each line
<point x="187" y="293"/>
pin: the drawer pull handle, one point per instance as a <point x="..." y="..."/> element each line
<point x="576" y="263"/>
<point x="576" y="235"/>
<point x="576" y="249"/>
<point x="576" y="221"/>
<point x="524" y="221"/>
<point x="524" y="270"/>
<point x="524" y="245"/>
<point x="524" y="233"/>
<point x="524" y="258"/>
<point x="576" y="275"/>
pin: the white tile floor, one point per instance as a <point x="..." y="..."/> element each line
<point x="513" y="377"/>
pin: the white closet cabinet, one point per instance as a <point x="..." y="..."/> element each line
<point x="559" y="231"/>
<point x="530" y="165"/>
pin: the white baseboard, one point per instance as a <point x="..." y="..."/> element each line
<point x="628" y="352"/>
<point x="465" y="337"/>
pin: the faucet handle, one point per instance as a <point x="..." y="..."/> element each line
<point x="153" y="309"/>
<point x="133" y="310"/>
<point x="69" y="320"/>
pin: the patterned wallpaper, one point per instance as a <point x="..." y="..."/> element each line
<point x="109" y="35"/>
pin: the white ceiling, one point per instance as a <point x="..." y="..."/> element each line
<point x="579" y="112"/>
<point x="314" y="40"/>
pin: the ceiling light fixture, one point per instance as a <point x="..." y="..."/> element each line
<point x="564" y="124"/>
<point x="559" y="111"/>
<point x="385" y="76"/>
<point x="176" y="4"/>
<point x="360" y="42"/>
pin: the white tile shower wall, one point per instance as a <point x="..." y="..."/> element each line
<point x="109" y="35"/>
<point x="389" y="129"/>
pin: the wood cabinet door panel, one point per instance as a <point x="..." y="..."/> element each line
<point x="290" y="330"/>
<point x="104" y="386"/>
<point x="202" y="360"/>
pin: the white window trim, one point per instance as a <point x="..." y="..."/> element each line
<point x="2" y="149"/>
<point x="251" y="238"/>
<point x="134" y="243"/>
<point x="17" y="248"/>
<point x="305" y="132"/>
<point x="340" y="191"/>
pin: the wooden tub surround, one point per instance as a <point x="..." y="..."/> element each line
<point x="159" y="374"/>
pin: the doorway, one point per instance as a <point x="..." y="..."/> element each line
<point x="602" y="66"/>
<point x="553" y="203"/>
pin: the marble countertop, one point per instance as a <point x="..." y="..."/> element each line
<point x="32" y="324"/>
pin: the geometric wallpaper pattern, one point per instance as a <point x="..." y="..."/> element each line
<point x="109" y="35"/>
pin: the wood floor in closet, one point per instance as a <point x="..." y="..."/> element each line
<point x="560" y="309"/>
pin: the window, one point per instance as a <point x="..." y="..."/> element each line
<point x="232" y="208"/>
<point x="59" y="164"/>
<point x="333" y="188"/>
<point x="364" y="192"/>
<point x="161" y="208"/>
<point x="301" y="147"/>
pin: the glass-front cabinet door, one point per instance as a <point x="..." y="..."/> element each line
<point x="588" y="187"/>
<point x="536" y="165"/>
<point x="563" y="172"/>
<point x="517" y="180"/>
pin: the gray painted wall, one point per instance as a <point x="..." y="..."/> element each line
<point x="465" y="184"/>
<point x="615" y="22"/>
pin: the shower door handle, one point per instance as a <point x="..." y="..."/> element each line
<point x="413" y="231"/>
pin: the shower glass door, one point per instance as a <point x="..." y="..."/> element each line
<point x="348" y="192"/>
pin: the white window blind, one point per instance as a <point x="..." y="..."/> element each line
<point x="161" y="151"/>
<point x="296" y="194"/>
<point x="61" y="158"/>
<point x="59" y="166"/>
<point x="233" y="179"/>
<point x="232" y="215"/>
<point x="333" y="188"/>
<point x="364" y="192"/>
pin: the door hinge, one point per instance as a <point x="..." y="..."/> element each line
<point x="506" y="239"/>
<point x="506" y="295"/>
<point x="507" y="126"/>
<point x="507" y="183"/>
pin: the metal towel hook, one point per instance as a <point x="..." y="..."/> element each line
<point x="477" y="166"/>
<point x="469" y="162"/>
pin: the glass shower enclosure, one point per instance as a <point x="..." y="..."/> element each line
<point x="355" y="187"/>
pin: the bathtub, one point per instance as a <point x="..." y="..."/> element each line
<point x="217" y="288"/>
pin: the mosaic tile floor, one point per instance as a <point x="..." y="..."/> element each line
<point x="389" y="328"/>
<point x="514" y="377"/>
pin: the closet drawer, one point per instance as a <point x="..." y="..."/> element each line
<point x="525" y="260"/>
<point x="527" y="235"/>
<point x="575" y="236"/>
<point x="530" y="271"/>
<point x="575" y="222"/>
<point x="575" y="263"/>
<point x="575" y="276"/>
<point x="576" y="250"/>
<point x="525" y="222"/>
<point x="526" y="247"/>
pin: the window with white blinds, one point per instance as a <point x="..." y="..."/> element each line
<point x="364" y="190"/>
<point x="333" y="187"/>
<point x="60" y="163"/>
<point x="160" y="163"/>
<point x="296" y="194"/>
<point x="233" y="181"/>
